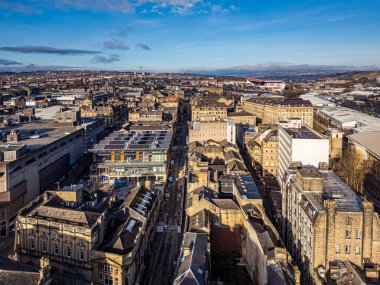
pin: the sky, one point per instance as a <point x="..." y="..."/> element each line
<point x="177" y="35"/>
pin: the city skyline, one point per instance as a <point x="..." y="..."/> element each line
<point x="179" y="35"/>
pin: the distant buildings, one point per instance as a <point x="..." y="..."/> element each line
<point x="273" y="111"/>
<point x="274" y="85"/>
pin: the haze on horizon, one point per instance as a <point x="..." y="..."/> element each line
<point x="177" y="35"/>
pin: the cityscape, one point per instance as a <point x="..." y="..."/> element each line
<point x="189" y="142"/>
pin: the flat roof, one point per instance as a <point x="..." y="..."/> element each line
<point x="335" y="189"/>
<point x="49" y="133"/>
<point x="135" y="140"/>
<point x="364" y="122"/>
<point x="303" y="133"/>
<point x="369" y="140"/>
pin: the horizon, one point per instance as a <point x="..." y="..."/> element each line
<point x="189" y="35"/>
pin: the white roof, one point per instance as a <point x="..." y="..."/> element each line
<point x="343" y="115"/>
<point x="317" y="101"/>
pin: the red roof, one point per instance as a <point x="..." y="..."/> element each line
<point x="256" y="80"/>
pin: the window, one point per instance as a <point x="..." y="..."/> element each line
<point x="81" y="254"/>
<point x="3" y="228"/>
<point x="107" y="268"/>
<point x="32" y="244"/>
<point x="100" y="277"/>
<point x="358" y="234"/>
<point x="116" y="281"/>
<point x="357" y="249"/>
<point x="108" y="280"/>
<point x="56" y="249"/>
<point x="348" y="234"/>
<point x="348" y="221"/>
<point x="68" y="251"/>
<point x="337" y="249"/>
<point x="347" y="249"/>
<point x="43" y="246"/>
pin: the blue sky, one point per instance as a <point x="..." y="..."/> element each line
<point x="176" y="35"/>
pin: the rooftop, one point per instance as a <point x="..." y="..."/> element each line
<point x="334" y="189"/>
<point x="135" y="140"/>
<point x="246" y="186"/>
<point x="303" y="133"/>
<point x="369" y="140"/>
<point x="363" y="121"/>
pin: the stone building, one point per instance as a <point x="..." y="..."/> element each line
<point x="271" y="112"/>
<point x="90" y="238"/>
<point x="325" y="221"/>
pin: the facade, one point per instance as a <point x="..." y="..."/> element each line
<point x="325" y="221"/>
<point x="213" y="130"/>
<point x="242" y="118"/>
<point x="30" y="166"/>
<point x="89" y="238"/>
<point x="301" y="144"/>
<point x="271" y="112"/>
<point x="136" y="155"/>
<point x="263" y="151"/>
<point x="203" y="112"/>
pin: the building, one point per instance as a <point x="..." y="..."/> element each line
<point x="273" y="111"/>
<point x="242" y="118"/>
<point x="18" y="273"/>
<point x="31" y="164"/>
<point x="217" y="130"/>
<point x="324" y="221"/>
<point x="194" y="262"/>
<point x="208" y="112"/>
<point x="301" y="144"/>
<point x="89" y="238"/>
<point x="263" y="151"/>
<point x="275" y="85"/>
<point x="135" y="155"/>
<point x="367" y="146"/>
<point x="348" y="119"/>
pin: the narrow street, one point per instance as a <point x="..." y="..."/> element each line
<point x="168" y="242"/>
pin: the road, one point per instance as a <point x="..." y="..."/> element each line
<point x="163" y="262"/>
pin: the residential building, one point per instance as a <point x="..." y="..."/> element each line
<point x="194" y="262"/>
<point x="324" y="221"/>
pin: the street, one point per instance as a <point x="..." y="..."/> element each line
<point x="168" y="244"/>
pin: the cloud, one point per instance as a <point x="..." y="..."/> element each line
<point x="9" y="62"/>
<point x="104" y="59"/>
<point x="47" y="50"/>
<point x="123" y="32"/>
<point x="115" y="45"/>
<point x="143" y="46"/>
<point x="117" y="6"/>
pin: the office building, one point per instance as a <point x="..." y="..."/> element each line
<point x="301" y="144"/>
<point x="135" y="155"/>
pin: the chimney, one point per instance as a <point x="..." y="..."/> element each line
<point x="297" y="275"/>
<point x="186" y="251"/>
<point x="148" y="184"/>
